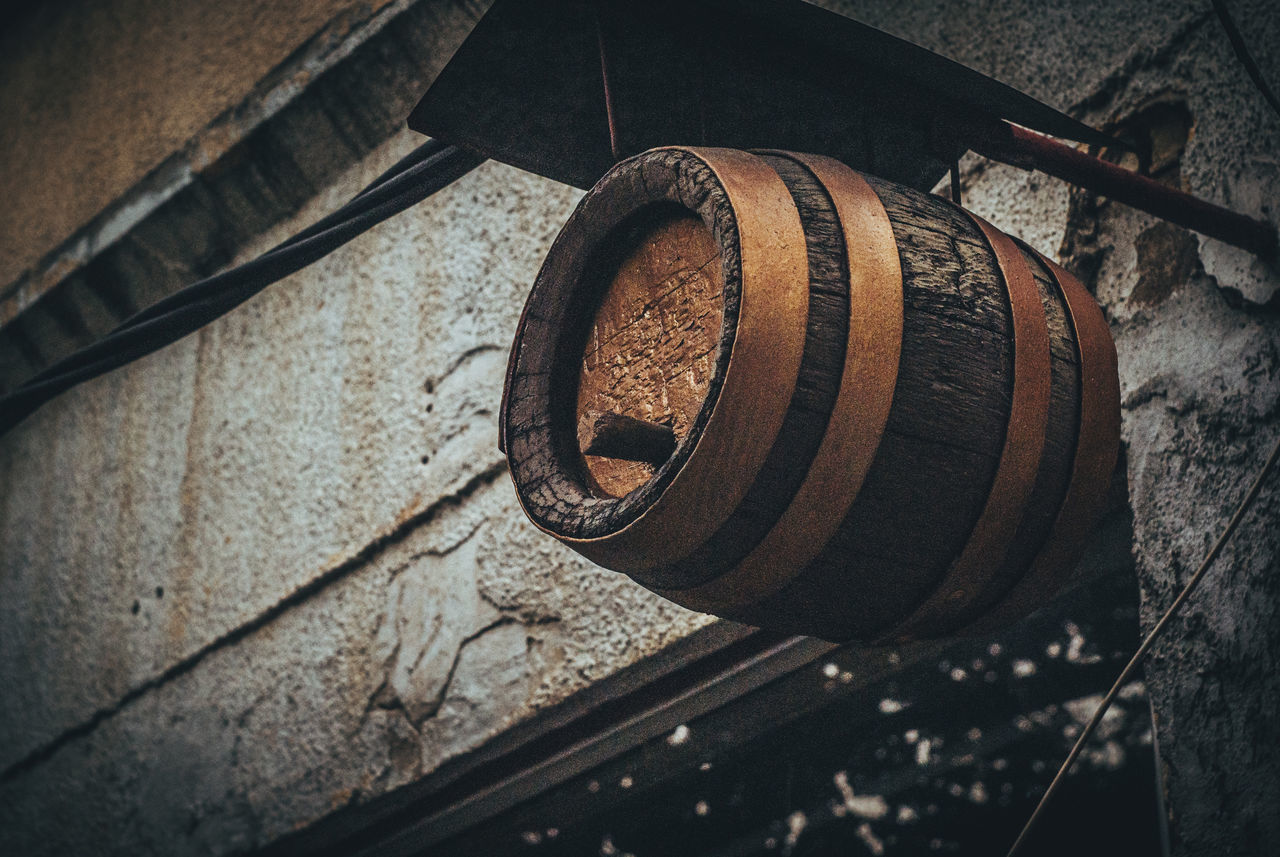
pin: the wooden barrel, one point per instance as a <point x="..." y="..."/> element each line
<point x="774" y="389"/>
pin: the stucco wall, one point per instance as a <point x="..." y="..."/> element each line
<point x="277" y="567"/>
<point x="299" y="512"/>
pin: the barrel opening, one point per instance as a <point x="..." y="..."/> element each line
<point x="662" y="199"/>
<point x="640" y="359"/>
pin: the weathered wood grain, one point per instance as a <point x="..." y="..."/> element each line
<point x="542" y="403"/>
<point x="617" y="436"/>
<point x="652" y="343"/>
<point x="937" y="460"/>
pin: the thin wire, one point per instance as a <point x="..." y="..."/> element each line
<point x="195" y="306"/>
<point x="1132" y="666"/>
<point x="614" y="144"/>
<point x="1242" y="54"/>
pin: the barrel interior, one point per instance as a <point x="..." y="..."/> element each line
<point x="651" y="347"/>
<point x="663" y="199"/>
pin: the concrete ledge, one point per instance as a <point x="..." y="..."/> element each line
<point x="321" y="111"/>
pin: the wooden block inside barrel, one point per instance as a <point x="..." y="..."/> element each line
<point x="772" y="388"/>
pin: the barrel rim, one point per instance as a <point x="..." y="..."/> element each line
<point x="761" y="337"/>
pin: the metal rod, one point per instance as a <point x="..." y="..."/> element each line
<point x="1029" y="150"/>
<point x="614" y="146"/>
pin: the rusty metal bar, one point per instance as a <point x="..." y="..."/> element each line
<point x="1027" y="149"/>
<point x="614" y="145"/>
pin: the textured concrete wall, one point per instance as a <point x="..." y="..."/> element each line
<point x="300" y="513"/>
<point x="277" y="567"/>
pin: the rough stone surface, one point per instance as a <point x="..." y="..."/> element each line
<point x="376" y="678"/>
<point x="1200" y="386"/>
<point x="150" y="512"/>
<point x="1200" y="419"/>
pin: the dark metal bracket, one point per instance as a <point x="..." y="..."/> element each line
<point x="525" y="88"/>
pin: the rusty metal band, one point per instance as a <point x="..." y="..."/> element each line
<point x="765" y="361"/>
<point x="971" y="575"/>
<point x="860" y="411"/>
<point x="1097" y="445"/>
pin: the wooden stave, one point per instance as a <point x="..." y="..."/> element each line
<point x="860" y="411"/>
<point x="798" y="605"/>
<point x="974" y="578"/>
<point x="1092" y="462"/>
